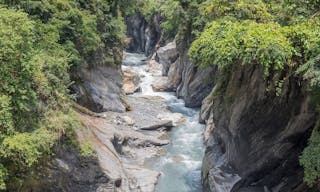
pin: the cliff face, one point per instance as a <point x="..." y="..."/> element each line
<point x="98" y="83"/>
<point x="144" y="35"/>
<point x="68" y="172"/>
<point x="254" y="138"/>
<point x="196" y="83"/>
<point x="190" y="82"/>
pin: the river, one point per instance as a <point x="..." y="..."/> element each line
<point x="180" y="167"/>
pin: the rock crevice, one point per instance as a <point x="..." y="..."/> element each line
<point x="144" y="35"/>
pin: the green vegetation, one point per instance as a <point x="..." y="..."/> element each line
<point x="42" y="43"/>
<point x="310" y="158"/>
<point x="87" y="150"/>
<point x="227" y="43"/>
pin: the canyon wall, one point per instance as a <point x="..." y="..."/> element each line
<point x="258" y="135"/>
<point x="254" y="136"/>
<point x="190" y="82"/>
<point x="144" y="35"/>
<point x="98" y="83"/>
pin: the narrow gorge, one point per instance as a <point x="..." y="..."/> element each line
<point x="159" y="96"/>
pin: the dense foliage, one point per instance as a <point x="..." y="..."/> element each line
<point x="41" y="43"/>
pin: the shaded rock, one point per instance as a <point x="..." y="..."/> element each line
<point x="222" y="181"/>
<point x="190" y="82"/>
<point x="260" y="135"/>
<point x="144" y="36"/>
<point x="131" y="80"/>
<point x="68" y="172"/>
<point x="100" y="88"/>
<point x="160" y="124"/>
<point x="166" y="56"/>
<point x="196" y="83"/>
<point x="174" y="76"/>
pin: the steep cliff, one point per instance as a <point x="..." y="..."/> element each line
<point x="144" y="35"/>
<point x="190" y="82"/>
<point x="258" y="135"/>
<point x="98" y="83"/>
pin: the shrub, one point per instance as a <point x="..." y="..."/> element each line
<point x="225" y="43"/>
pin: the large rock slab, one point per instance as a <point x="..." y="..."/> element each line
<point x="158" y="125"/>
<point x="100" y="88"/>
<point x="166" y="56"/>
<point x="146" y="179"/>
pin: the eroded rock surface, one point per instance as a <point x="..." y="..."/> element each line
<point x="190" y="82"/>
<point x="259" y="135"/>
<point x="121" y="134"/>
<point x="144" y="36"/>
<point x="99" y="88"/>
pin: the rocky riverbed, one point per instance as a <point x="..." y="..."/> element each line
<point x="135" y="147"/>
<point x="122" y="145"/>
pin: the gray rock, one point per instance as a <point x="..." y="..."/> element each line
<point x="174" y="75"/>
<point x="260" y="135"/>
<point x="158" y="125"/>
<point x="160" y="84"/>
<point x="190" y="82"/>
<point x="144" y="35"/>
<point x="127" y="120"/>
<point x="166" y="56"/>
<point x="69" y="172"/>
<point x="196" y="83"/>
<point x="100" y="88"/>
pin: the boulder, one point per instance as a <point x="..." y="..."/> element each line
<point x="160" y="84"/>
<point x="127" y="120"/>
<point x="176" y="118"/>
<point x="158" y="125"/>
<point x="131" y="80"/>
<point x="166" y="56"/>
